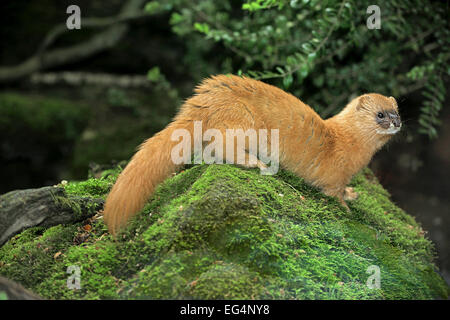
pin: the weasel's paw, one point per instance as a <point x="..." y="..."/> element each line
<point x="254" y="162"/>
<point x="350" y="194"/>
<point x="344" y="204"/>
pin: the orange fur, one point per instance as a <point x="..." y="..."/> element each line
<point x="326" y="153"/>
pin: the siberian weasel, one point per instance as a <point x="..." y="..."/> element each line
<point x="326" y="153"/>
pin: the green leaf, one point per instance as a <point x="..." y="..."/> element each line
<point x="154" y="74"/>
<point x="152" y="7"/>
<point x="304" y="71"/>
<point x="176" y="18"/>
<point x="202" y="27"/>
<point x="311" y="56"/>
<point x="287" y="81"/>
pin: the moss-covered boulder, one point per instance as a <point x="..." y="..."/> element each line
<point x="222" y="232"/>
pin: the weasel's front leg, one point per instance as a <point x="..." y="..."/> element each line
<point x="350" y="194"/>
<point x="341" y="194"/>
<point x="251" y="161"/>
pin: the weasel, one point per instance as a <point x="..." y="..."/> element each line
<point x="326" y="153"/>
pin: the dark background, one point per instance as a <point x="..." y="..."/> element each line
<point x="54" y="130"/>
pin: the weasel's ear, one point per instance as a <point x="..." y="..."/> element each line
<point x="394" y="102"/>
<point x="363" y="102"/>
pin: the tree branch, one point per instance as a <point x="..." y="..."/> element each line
<point x="117" y="28"/>
<point x="58" y="30"/>
<point x="88" y="78"/>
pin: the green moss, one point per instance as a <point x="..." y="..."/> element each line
<point x="222" y="232"/>
<point x="29" y="256"/>
<point x="95" y="262"/>
<point x="172" y="277"/>
<point x="226" y="281"/>
<point x="92" y="187"/>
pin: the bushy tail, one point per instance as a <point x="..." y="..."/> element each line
<point x="149" y="166"/>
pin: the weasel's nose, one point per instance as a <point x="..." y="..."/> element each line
<point x="395" y="120"/>
<point x="397" y="123"/>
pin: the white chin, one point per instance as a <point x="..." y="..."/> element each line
<point x="391" y="130"/>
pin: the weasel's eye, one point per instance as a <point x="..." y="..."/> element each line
<point x="380" y="115"/>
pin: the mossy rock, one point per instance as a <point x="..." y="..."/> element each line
<point x="223" y="232"/>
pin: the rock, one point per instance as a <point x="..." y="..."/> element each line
<point x="9" y="290"/>
<point x="223" y="232"/>
<point x="47" y="206"/>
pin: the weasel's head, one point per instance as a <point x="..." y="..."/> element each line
<point x="384" y="113"/>
<point x="375" y="115"/>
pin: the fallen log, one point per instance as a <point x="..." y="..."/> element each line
<point x="47" y="206"/>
